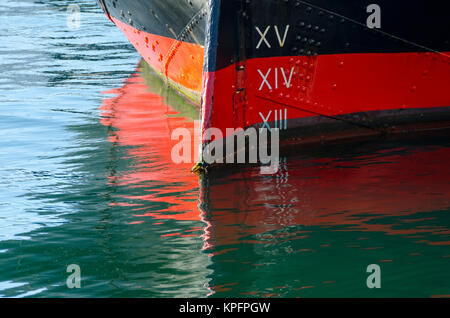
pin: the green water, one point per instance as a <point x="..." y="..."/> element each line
<point x="85" y="179"/>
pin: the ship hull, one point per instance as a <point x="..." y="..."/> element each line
<point x="314" y="70"/>
<point x="169" y="35"/>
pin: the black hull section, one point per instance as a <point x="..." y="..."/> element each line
<point x="316" y="27"/>
<point x="319" y="27"/>
<point x="178" y="19"/>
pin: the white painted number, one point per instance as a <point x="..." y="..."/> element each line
<point x="279" y="120"/>
<point x="263" y="37"/>
<point x="284" y="37"/>
<point x="264" y="77"/>
<point x="266" y="81"/>
<point x="281" y="41"/>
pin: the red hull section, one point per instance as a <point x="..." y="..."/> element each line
<point x="180" y="63"/>
<point x="280" y="89"/>
<point x="313" y="69"/>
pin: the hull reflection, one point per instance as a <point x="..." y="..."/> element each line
<point x="140" y="118"/>
<point x="309" y="230"/>
<point x="312" y="229"/>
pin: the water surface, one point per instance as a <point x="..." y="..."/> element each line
<point x="86" y="178"/>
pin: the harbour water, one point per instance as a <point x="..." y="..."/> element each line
<point x="86" y="178"/>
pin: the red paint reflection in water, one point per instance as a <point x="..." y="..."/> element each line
<point x="144" y="122"/>
<point x="325" y="192"/>
<point x="329" y="192"/>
